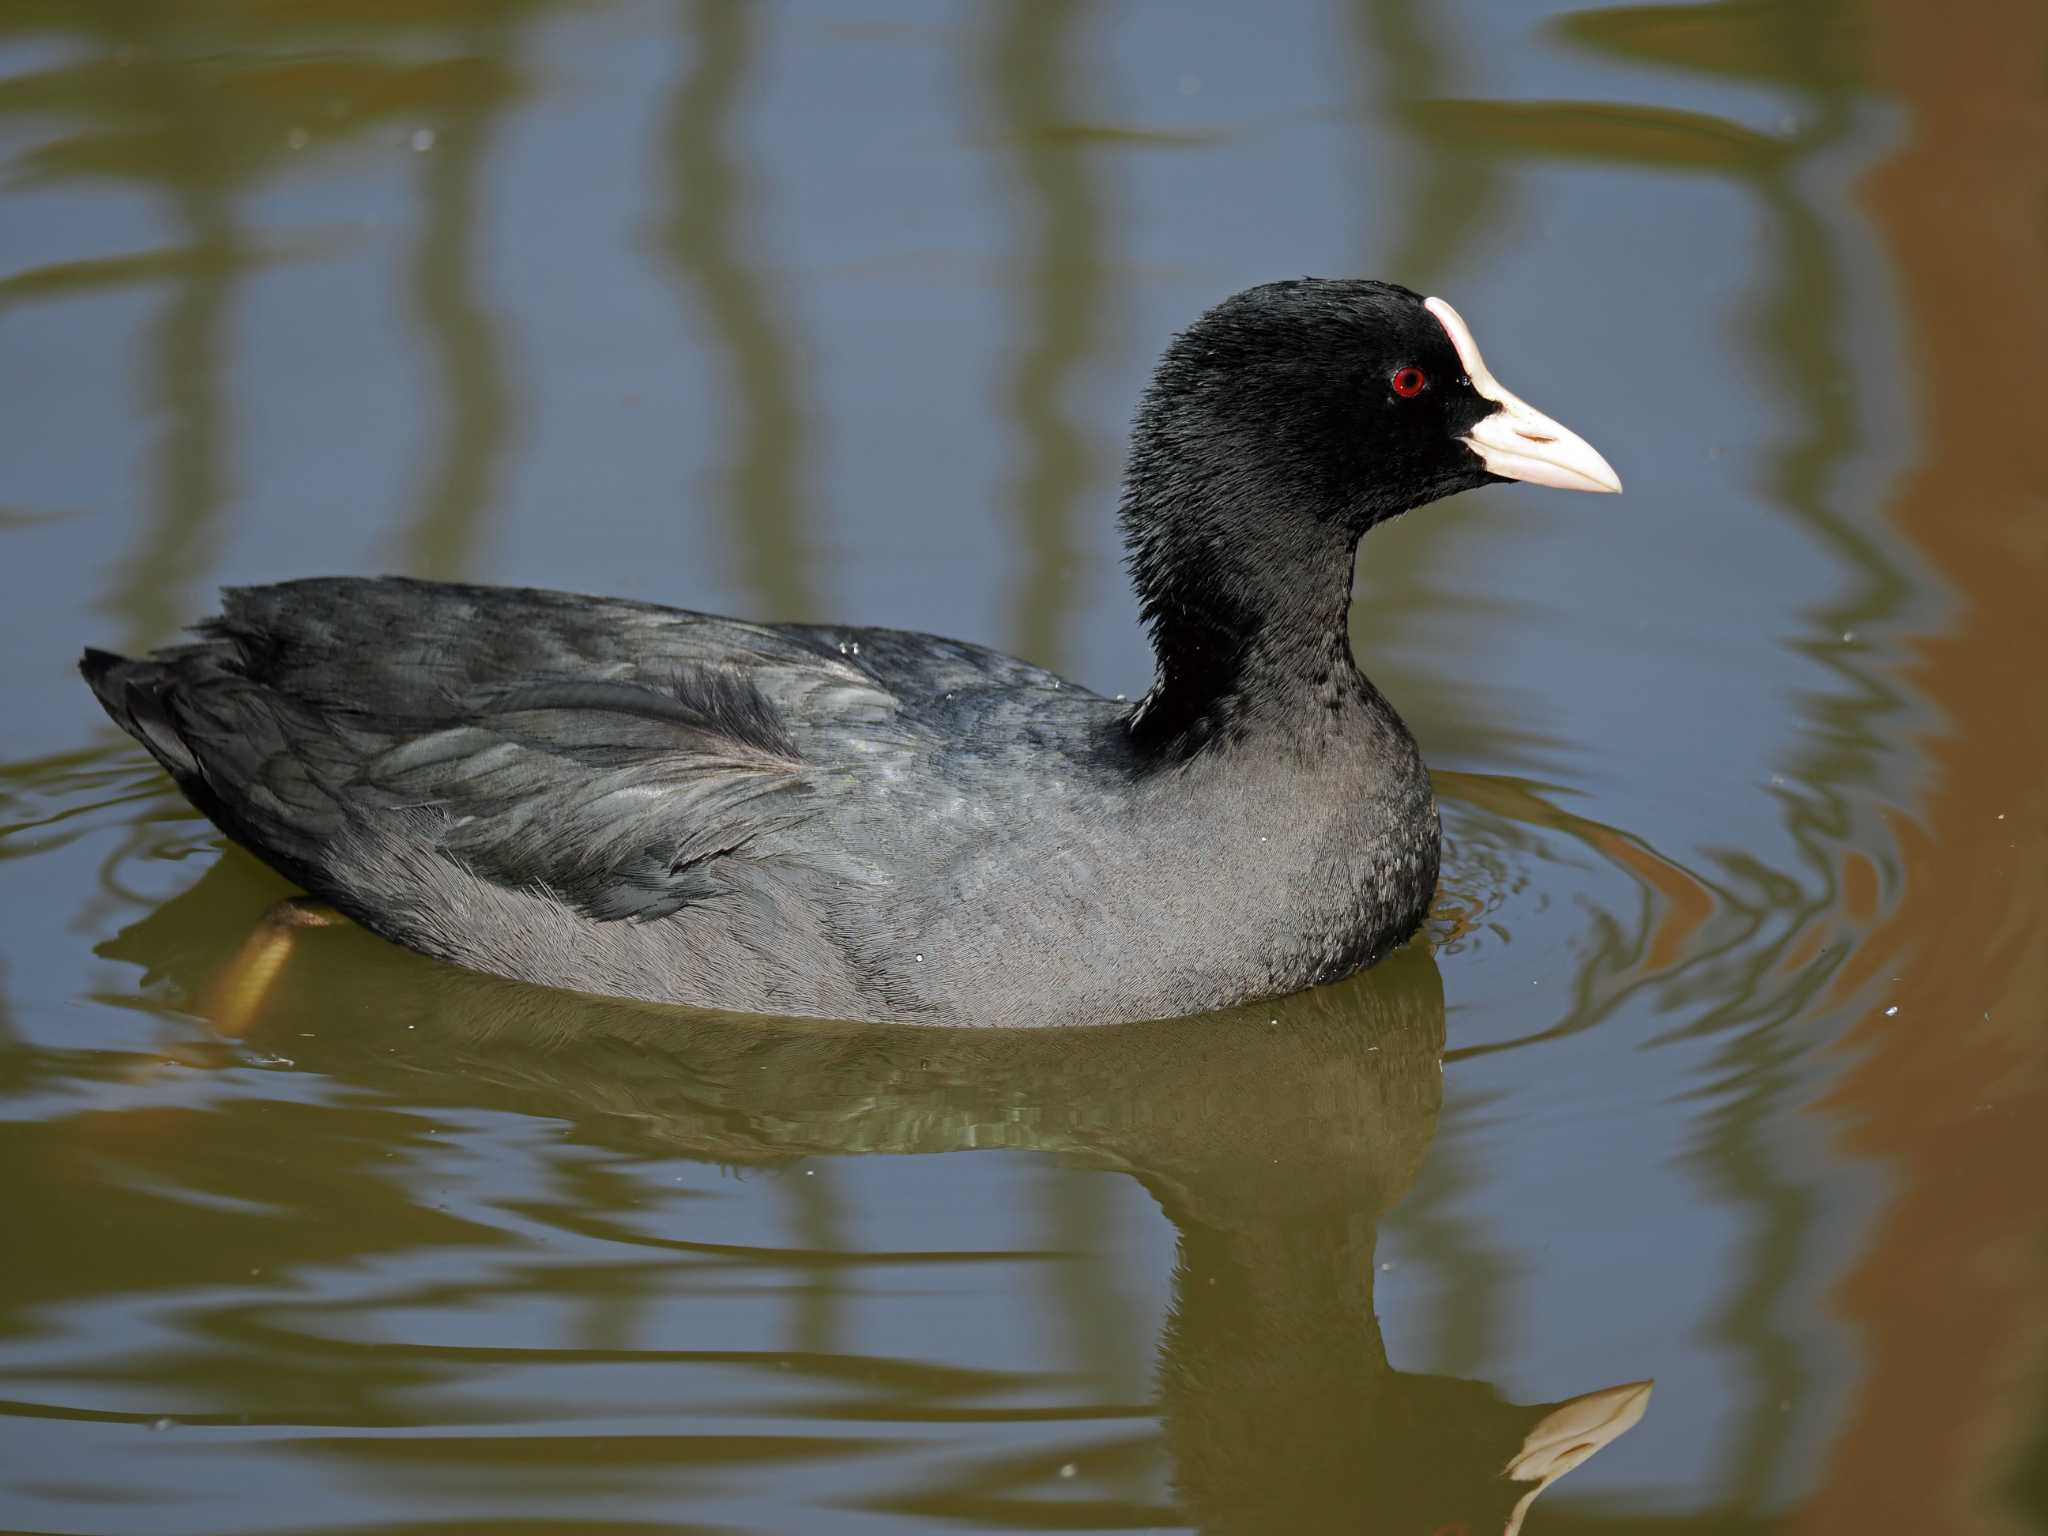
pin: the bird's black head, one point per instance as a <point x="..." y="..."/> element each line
<point x="1278" y="428"/>
<point x="1344" y="401"/>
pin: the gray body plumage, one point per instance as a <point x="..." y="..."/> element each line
<point x="856" y="823"/>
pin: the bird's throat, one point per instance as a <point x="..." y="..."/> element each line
<point x="1247" y="648"/>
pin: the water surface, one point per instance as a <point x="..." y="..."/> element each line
<point x="1721" y="1064"/>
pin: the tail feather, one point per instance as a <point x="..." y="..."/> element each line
<point x="221" y="741"/>
<point x="133" y="693"/>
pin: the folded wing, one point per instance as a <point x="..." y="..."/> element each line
<point x="625" y="760"/>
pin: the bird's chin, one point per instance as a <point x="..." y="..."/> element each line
<point x="1452" y="480"/>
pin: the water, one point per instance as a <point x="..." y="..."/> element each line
<point x="1723" y="1065"/>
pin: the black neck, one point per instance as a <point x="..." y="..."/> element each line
<point x="1249" y="619"/>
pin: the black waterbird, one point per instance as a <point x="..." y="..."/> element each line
<point x="618" y="798"/>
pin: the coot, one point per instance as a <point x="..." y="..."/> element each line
<point x="620" y="798"/>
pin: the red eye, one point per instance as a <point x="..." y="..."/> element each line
<point x="1410" y="382"/>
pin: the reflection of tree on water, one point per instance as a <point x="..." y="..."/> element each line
<point x="185" y="151"/>
<point x="704" y="205"/>
<point x="1273" y="1138"/>
<point x="202" y="106"/>
<point x="1404" y="51"/>
<point x="1950" y="1091"/>
<point x="1034" y="55"/>
<point x="460" y="482"/>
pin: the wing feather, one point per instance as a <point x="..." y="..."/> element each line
<point x="626" y="759"/>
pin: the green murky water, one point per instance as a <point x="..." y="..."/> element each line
<point x="1723" y="1065"/>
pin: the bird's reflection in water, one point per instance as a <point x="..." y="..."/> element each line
<point x="1273" y="1137"/>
